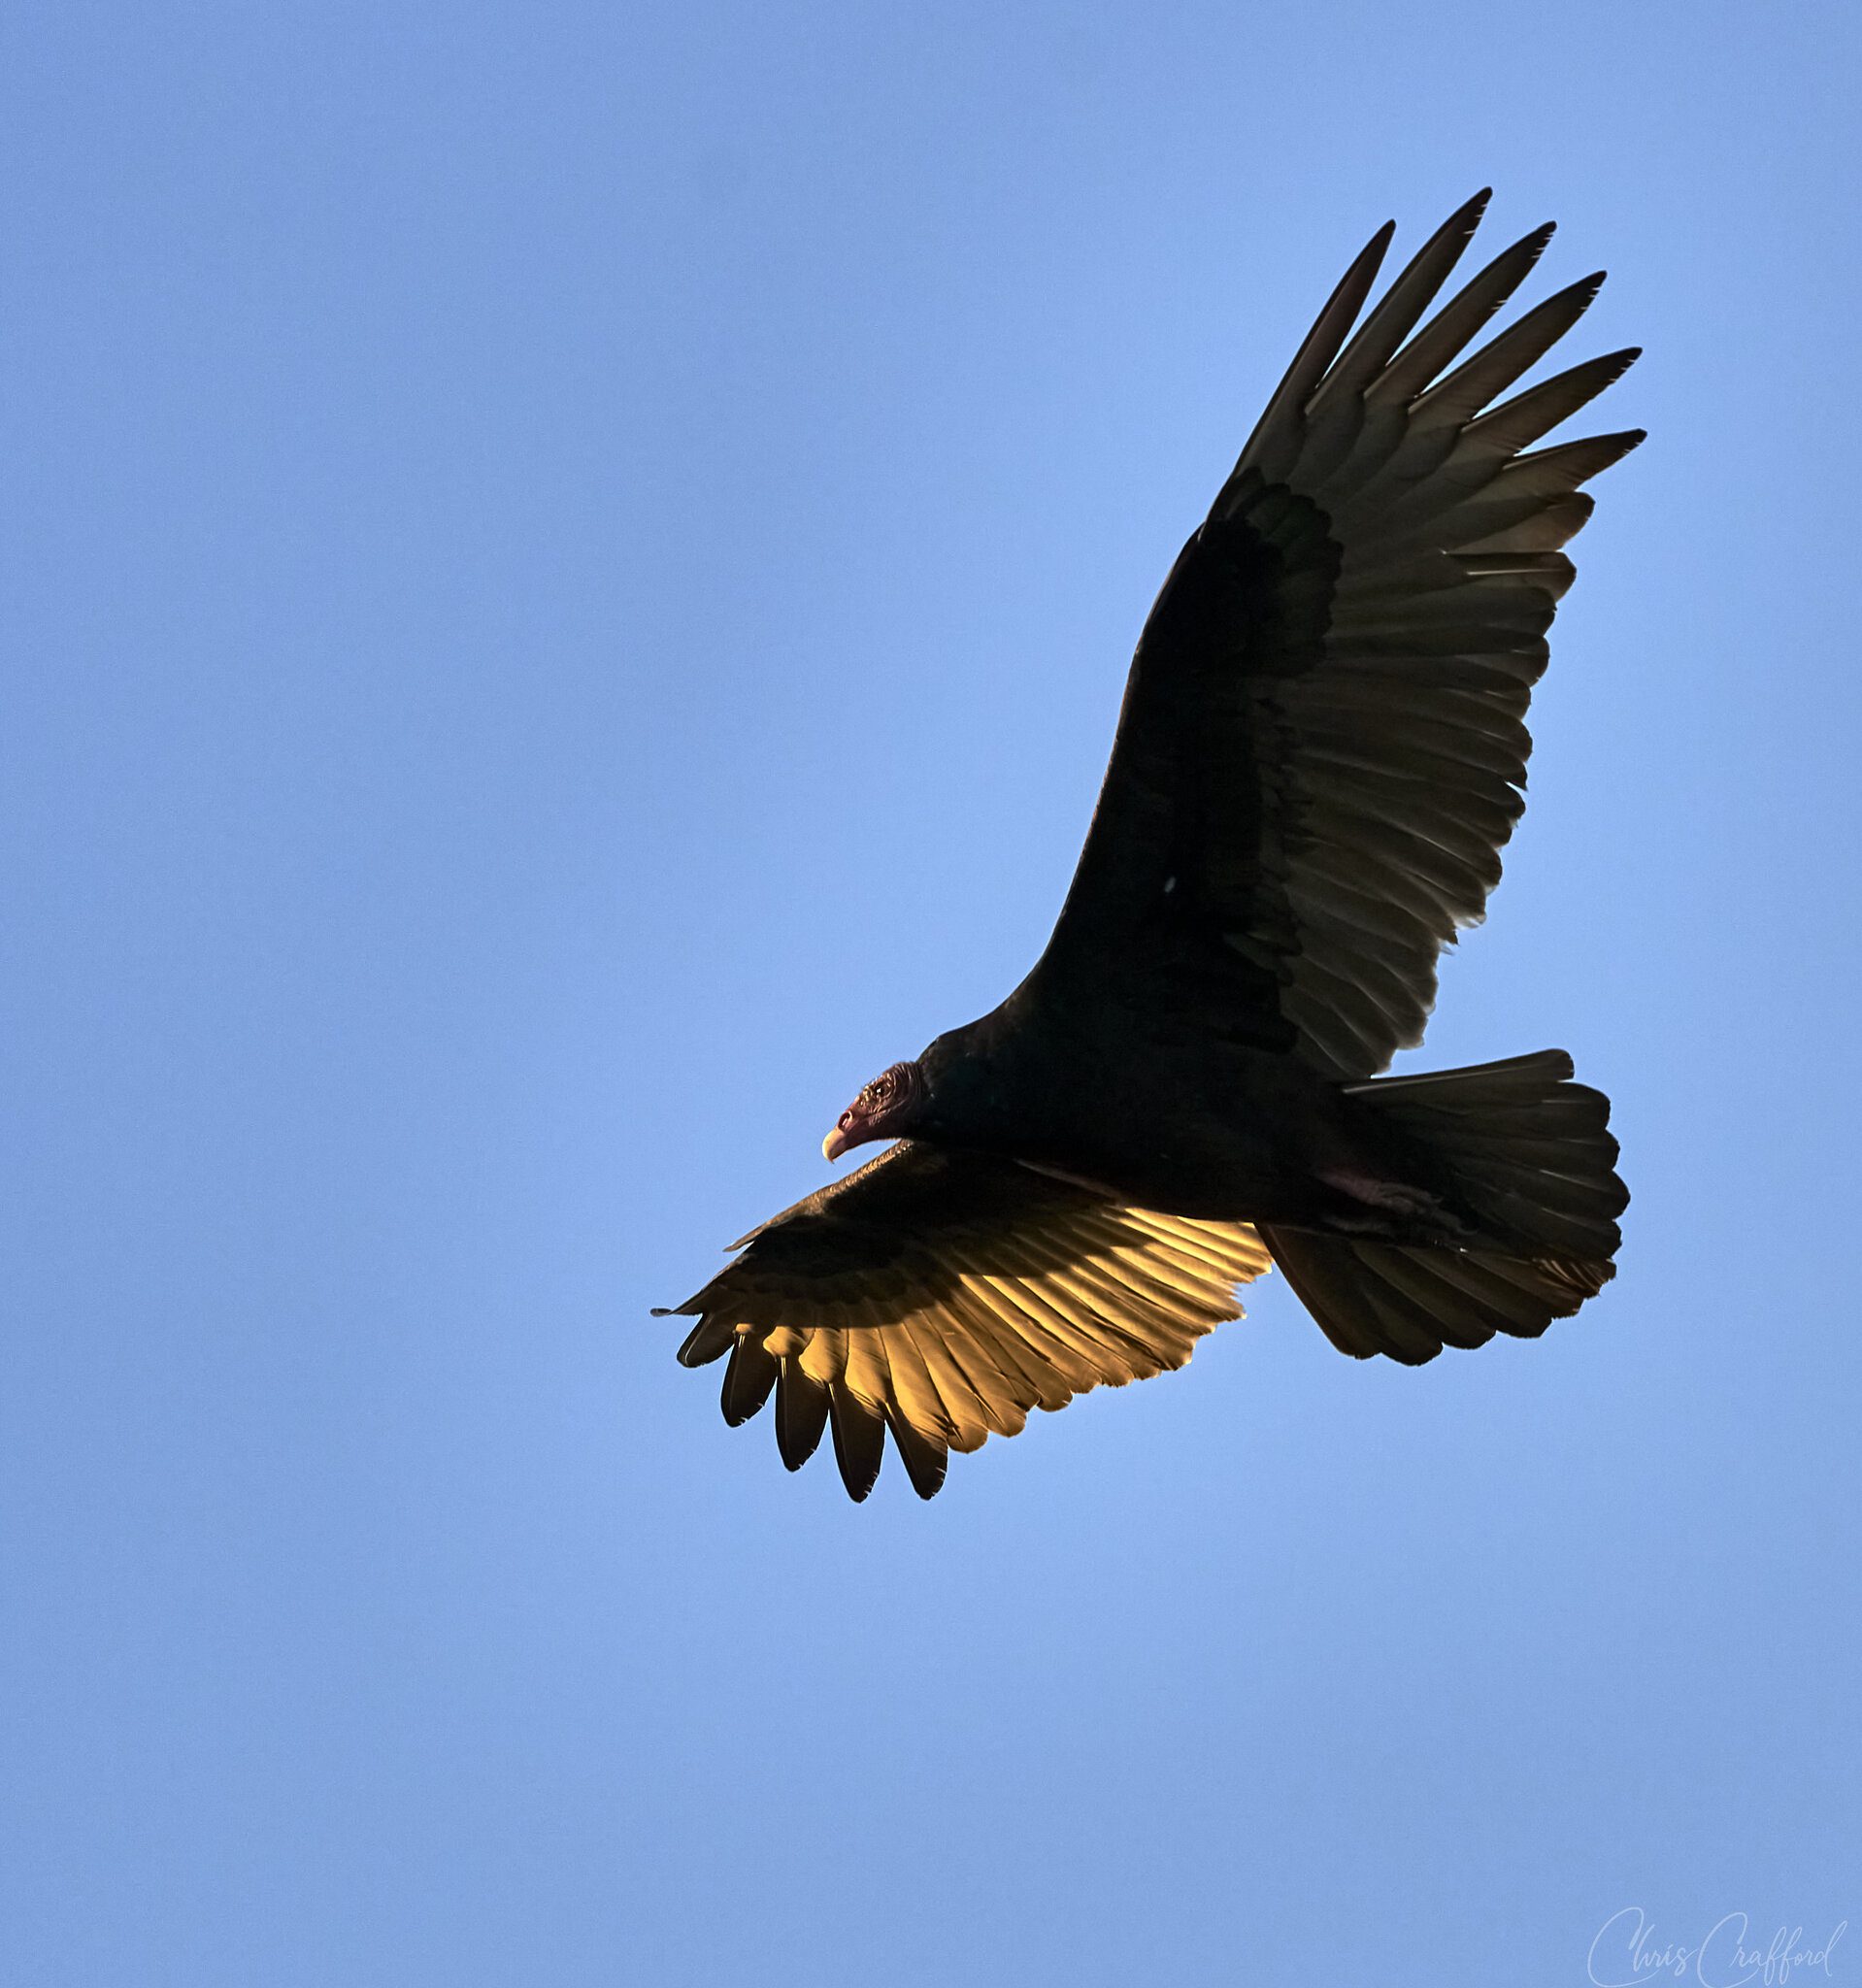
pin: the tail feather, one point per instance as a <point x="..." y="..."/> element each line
<point x="1527" y="1149"/>
<point x="1529" y="1153"/>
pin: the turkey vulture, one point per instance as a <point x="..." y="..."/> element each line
<point x="1319" y="760"/>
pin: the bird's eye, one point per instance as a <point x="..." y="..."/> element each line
<point x="885" y="1091"/>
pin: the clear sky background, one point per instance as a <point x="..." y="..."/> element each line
<point x="567" y="576"/>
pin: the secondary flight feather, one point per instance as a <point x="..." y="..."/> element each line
<point x="1320" y="755"/>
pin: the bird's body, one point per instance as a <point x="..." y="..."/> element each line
<point x="1320" y="755"/>
<point x="1196" y="1126"/>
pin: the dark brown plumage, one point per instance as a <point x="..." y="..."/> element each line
<point x="1319" y="760"/>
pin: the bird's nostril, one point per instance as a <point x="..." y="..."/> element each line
<point x="846" y="1119"/>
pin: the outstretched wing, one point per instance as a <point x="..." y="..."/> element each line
<point x="942" y="1295"/>
<point x="1322" y="743"/>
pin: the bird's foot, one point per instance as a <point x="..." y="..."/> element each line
<point x="1392" y="1198"/>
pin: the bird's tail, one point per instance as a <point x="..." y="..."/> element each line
<point x="1529" y="1154"/>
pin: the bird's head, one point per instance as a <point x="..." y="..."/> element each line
<point x="887" y="1107"/>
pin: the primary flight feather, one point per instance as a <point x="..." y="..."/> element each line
<point x="1319" y="758"/>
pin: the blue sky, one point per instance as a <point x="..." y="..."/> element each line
<point x="568" y="572"/>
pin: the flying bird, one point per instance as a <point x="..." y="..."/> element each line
<point x="1320" y="757"/>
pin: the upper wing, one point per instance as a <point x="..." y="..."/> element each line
<point x="1321" y="746"/>
<point x="943" y="1295"/>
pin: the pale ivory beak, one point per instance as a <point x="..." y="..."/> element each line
<point x="834" y="1145"/>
